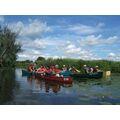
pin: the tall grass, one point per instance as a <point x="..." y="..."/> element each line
<point x="103" y="64"/>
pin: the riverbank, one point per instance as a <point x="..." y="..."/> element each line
<point x="104" y="65"/>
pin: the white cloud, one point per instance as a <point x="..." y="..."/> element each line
<point x="113" y="56"/>
<point x="37" y="43"/>
<point x="72" y="51"/>
<point x="30" y="29"/>
<point x="2" y="19"/>
<point x="55" y="57"/>
<point x="70" y="48"/>
<point x="33" y="43"/>
<point x="84" y="29"/>
<point x="97" y="40"/>
<point x="29" y="54"/>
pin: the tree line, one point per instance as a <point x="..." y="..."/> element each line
<point x="105" y="65"/>
<point x="9" y="49"/>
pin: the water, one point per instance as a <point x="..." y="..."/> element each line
<point x="18" y="90"/>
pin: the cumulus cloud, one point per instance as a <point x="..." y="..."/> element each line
<point x="70" y="48"/>
<point x="62" y="45"/>
<point x="2" y="19"/>
<point x="72" y="51"/>
<point x="34" y="44"/>
<point x="96" y="40"/>
<point x="29" y="54"/>
<point x="113" y="56"/>
<point x="32" y="28"/>
<point x="84" y="29"/>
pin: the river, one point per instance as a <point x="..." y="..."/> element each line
<point x="18" y="90"/>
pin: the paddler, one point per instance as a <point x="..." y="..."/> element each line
<point x="64" y="68"/>
<point x="41" y="69"/>
<point x="30" y="68"/>
<point x="48" y="71"/>
<point x="57" y="70"/>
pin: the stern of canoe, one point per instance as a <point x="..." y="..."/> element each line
<point x="26" y="73"/>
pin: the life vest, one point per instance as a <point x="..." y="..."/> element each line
<point x="48" y="70"/>
<point x="57" y="70"/>
<point x="41" y="69"/>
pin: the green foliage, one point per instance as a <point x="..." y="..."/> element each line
<point x="8" y="47"/>
<point x="103" y="64"/>
<point x="40" y="58"/>
<point x="23" y="64"/>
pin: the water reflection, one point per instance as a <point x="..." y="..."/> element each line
<point x="47" y="86"/>
<point x="15" y="89"/>
<point x="7" y="83"/>
<point x="101" y="82"/>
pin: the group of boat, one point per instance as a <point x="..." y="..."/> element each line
<point x="65" y="77"/>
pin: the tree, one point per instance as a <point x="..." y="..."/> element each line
<point x="40" y="58"/>
<point x="8" y="47"/>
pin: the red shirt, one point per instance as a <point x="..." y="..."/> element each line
<point x="41" y="69"/>
<point x="57" y="70"/>
<point x="48" y="70"/>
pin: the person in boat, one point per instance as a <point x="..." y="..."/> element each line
<point x="57" y="71"/>
<point x="30" y="68"/>
<point x="66" y="72"/>
<point x="96" y="69"/>
<point x="41" y="69"/>
<point x="91" y="69"/>
<point x="34" y="67"/>
<point x="48" y="71"/>
<point x="86" y="69"/>
<point x="53" y="69"/>
<point x="64" y="68"/>
<point x="74" y="70"/>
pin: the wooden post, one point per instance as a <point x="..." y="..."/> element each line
<point x="107" y="73"/>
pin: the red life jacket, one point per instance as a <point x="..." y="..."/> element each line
<point x="48" y="70"/>
<point x="57" y="70"/>
<point x="41" y="69"/>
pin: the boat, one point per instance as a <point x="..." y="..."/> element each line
<point x="48" y="77"/>
<point x="65" y="80"/>
<point x="95" y="75"/>
<point x="66" y="73"/>
<point x="27" y="73"/>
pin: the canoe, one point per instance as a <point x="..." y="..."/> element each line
<point x="96" y="75"/>
<point x="66" y="73"/>
<point x="65" y="80"/>
<point x="27" y="73"/>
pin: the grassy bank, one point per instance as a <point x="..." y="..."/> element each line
<point x="103" y="64"/>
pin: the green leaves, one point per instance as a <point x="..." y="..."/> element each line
<point x="8" y="47"/>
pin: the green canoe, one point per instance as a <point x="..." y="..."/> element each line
<point x="96" y="75"/>
<point x="27" y="73"/>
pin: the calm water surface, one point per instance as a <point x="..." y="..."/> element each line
<point x="18" y="90"/>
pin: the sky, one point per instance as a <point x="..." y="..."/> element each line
<point x="80" y="37"/>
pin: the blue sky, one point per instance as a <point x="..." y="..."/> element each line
<point x="80" y="37"/>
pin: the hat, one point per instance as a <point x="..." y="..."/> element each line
<point x="63" y="65"/>
<point x="96" y="66"/>
<point x="84" y="65"/>
<point x="56" y="66"/>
